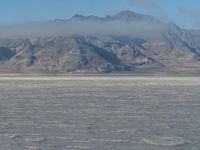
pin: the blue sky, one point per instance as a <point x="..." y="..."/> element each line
<point x="185" y="13"/>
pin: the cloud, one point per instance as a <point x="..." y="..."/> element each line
<point x="150" y="4"/>
<point x="191" y="13"/>
<point x="87" y="28"/>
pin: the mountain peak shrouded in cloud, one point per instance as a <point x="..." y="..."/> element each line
<point x="125" y="23"/>
<point x="133" y="16"/>
<point x="124" y="16"/>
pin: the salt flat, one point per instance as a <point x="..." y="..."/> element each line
<point x="100" y="113"/>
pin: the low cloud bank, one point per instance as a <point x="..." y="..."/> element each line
<point x="86" y="28"/>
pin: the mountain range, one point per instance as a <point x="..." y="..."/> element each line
<point x="126" y="42"/>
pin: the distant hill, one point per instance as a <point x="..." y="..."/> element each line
<point x="124" y="42"/>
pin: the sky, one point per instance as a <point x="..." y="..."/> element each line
<point x="185" y="13"/>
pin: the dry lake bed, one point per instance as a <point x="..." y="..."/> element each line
<point x="100" y="113"/>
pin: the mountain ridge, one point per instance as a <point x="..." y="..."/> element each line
<point x="143" y="44"/>
<point x="125" y="15"/>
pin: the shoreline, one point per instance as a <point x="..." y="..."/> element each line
<point x="97" y="75"/>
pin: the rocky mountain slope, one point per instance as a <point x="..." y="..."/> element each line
<point x="137" y="44"/>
